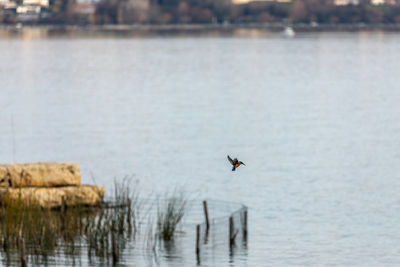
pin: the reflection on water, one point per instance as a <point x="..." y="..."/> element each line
<point x="315" y="118"/>
<point x="31" y="33"/>
<point x="117" y="233"/>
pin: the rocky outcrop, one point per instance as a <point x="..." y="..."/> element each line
<point x="39" y="175"/>
<point x="47" y="184"/>
<point x="86" y="195"/>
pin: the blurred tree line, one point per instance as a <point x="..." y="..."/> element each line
<point x="224" y="11"/>
<point x="220" y="11"/>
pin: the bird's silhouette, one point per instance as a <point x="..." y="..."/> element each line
<point x="235" y="163"/>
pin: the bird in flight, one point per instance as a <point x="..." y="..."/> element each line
<point x="235" y="163"/>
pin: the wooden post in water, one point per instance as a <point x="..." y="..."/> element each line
<point x="245" y="225"/>
<point x="231" y="239"/>
<point x="129" y="216"/>
<point x="5" y="244"/>
<point x="198" y="244"/>
<point x="198" y="239"/>
<point x="22" y="250"/>
<point x="232" y="235"/>
<point x="114" y="248"/>
<point x="206" y="215"/>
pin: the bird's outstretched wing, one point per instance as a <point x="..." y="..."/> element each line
<point x="230" y="160"/>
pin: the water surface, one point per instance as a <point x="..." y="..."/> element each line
<point x="315" y="118"/>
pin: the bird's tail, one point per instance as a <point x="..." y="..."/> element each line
<point x="233" y="168"/>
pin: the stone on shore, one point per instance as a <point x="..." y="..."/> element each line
<point x="42" y="174"/>
<point x="86" y="195"/>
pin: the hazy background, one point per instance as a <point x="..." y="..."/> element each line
<point x="203" y="12"/>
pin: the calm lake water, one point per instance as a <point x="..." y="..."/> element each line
<point x="316" y="119"/>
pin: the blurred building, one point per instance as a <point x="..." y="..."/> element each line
<point x="10" y="5"/>
<point x="28" y="13"/>
<point x="84" y="12"/>
<point x="41" y="3"/>
<point x="133" y="11"/>
<point x="383" y="2"/>
<point x="357" y="2"/>
<point x="346" y="2"/>
<point x="84" y="9"/>
<point x="139" y="4"/>
<point x="238" y="2"/>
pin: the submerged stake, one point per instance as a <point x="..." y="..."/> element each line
<point x="206" y="215"/>
<point x="22" y="250"/>
<point x="114" y="248"/>
<point x="198" y="239"/>
<point x="245" y="226"/>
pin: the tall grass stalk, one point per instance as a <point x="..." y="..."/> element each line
<point x="170" y="215"/>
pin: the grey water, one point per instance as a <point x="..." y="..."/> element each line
<point x="316" y="119"/>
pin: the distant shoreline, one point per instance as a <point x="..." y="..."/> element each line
<point x="42" y="31"/>
<point x="266" y="26"/>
